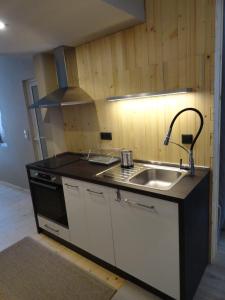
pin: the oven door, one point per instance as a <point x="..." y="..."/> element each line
<point x="49" y="202"/>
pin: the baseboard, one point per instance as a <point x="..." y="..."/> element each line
<point x="6" y="183"/>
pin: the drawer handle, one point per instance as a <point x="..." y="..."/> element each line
<point x="118" y="196"/>
<point x="50" y="228"/>
<point x="98" y="193"/>
<point x="151" y="208"/>
<point x="71" y="186"/>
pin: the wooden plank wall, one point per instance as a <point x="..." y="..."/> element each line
<point x="173" y="49"/>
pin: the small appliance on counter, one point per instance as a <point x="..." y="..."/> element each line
<point x="127" y="159"/>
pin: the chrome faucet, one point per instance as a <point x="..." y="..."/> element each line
<point x="191" y="167"/>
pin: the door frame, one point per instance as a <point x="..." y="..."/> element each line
<point x="219" y="17"/>
<point x="27" y="86"/>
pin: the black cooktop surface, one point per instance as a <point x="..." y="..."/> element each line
<point x="58" y="161"/>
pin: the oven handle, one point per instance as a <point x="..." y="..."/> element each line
<point x="51" y="187"/>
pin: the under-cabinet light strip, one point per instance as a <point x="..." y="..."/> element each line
<point x="149" y="95"/>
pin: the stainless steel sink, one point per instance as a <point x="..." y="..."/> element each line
<point x="162" y="179"/>
<point x="148" y="175"/>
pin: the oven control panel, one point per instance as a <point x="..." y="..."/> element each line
<point x="35" y="174"/>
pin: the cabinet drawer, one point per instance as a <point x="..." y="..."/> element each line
<point x="54" y="228"/>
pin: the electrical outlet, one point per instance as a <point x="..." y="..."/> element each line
<point x="106" y="136"/>
<point x="187" y="139"/>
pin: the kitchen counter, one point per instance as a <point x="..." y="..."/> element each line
<point x="169" y="236"/>
<point x="86" y="171"/>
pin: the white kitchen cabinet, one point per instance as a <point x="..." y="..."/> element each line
<point x="97" y="201"/>
<point x="138" y="234"/>
<point x="75" y="206"/>
<point x="89" y="217"/>
<point x="146" y="240"/>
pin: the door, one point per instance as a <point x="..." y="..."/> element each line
<point x="97" y="202"/>
<point x="146" y="240"/>
<point x="221" y="204"/>
<point x="36" y="120"/>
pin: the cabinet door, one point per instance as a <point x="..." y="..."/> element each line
<point x="97" y="200"/>
<point x="146" y="240"/>
<point x="75" y="206"/>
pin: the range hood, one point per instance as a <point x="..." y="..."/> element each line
<point x="69" y="92"/>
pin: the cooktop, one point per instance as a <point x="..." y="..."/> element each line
<point x="58" y="161"/>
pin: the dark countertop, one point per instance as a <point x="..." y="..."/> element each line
<point x="86" y="171"/>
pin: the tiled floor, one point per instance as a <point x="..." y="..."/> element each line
<point x="212" y="285"/>
<point x="17" y="221"/>
<point x="16" y="215"/>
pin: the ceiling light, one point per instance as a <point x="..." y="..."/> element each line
<point x="2" y="25"/>
<point x="149" y="95"/>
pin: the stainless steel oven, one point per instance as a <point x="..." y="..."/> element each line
<point x="48" y="197"/>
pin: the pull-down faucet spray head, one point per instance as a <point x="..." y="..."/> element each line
<point x="191" y="167"/>
<point x="167" y="137"/>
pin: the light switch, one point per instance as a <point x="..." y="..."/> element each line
<point x="26" y="134"/>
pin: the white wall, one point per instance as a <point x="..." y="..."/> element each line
<point x="133" y="7"/>
<point x="13" y="70"/>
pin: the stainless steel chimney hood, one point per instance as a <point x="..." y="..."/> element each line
<point x="69" y="92"/>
